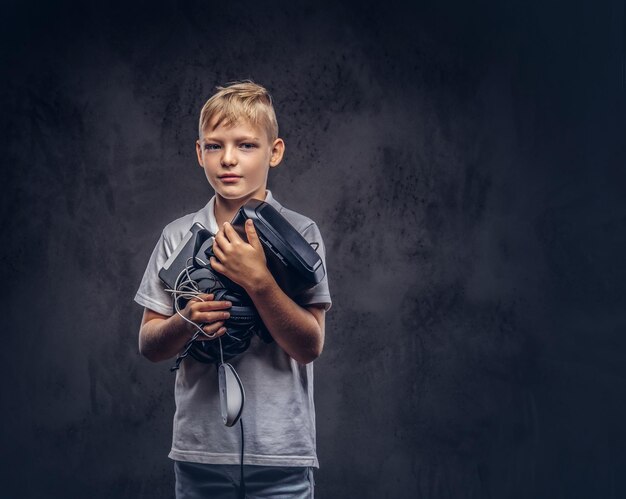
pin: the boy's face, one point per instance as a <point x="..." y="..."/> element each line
<point x="236" y="160"/>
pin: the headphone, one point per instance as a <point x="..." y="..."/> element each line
<point x="244" y="321"/>
<point x="294" y="263"/>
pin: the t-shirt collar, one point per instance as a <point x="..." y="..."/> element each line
<point x="210" y="210"/>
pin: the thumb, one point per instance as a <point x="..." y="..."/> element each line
<point x="253" y="238"/>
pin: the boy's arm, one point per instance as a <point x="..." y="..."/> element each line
<point x="298" y="330"/>
<point x="161" y="337"/>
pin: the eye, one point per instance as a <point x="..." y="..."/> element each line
<point x="211" y="147"/>
<point x="247" y="145"/>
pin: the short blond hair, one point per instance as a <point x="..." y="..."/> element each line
<point x="240" y="101"/>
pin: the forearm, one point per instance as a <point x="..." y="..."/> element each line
<point x="293" y="327"/>
<point x="299" y="331"/>
<point x="162" y="337"/>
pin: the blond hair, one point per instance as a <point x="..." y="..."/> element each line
<point x="240" y="100"/>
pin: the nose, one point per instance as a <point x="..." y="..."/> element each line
<point x="229" y="157"/>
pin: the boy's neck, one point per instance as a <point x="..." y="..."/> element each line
<point x="225" y="209"/>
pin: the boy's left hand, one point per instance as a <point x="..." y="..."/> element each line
<point x="242" y="262"/>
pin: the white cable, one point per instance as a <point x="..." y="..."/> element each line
<point x="189" y="294"/>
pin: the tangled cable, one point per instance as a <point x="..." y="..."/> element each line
<point x="244" y="322"/>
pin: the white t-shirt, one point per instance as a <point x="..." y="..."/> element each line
<point x="279" y="413"/>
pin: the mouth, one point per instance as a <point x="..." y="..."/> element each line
<point x="229" y="178"/>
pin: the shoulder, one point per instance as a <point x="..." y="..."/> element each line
<point x="300" y="222"/>
<point x="180" y="225"/>
<point x="307" y="228"/>
<point x="303" y="224"/>
<point x="176" y="230"/>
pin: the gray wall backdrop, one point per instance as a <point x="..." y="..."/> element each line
<point x="465" y="162"/>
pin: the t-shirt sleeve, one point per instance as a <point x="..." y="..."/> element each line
<point x="320" y="293"/>
<point x="151" y="293"/>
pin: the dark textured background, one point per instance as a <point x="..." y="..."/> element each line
<point x="466" y="164"/>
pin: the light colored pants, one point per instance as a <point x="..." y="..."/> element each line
<point x="221" y="481"/>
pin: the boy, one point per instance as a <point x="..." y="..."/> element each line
<point x="238" y="144"/>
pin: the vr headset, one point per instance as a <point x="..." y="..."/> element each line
<point x="293" y="262"/>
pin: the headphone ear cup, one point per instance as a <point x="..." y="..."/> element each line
<point x="208" y="352"/>
<point x="243" y="323"/>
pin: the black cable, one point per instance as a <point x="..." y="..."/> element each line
<point x="242" y="481"/>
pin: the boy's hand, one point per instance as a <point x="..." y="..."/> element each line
<point x="209" y="314"/>
<point x="242" y="262"/>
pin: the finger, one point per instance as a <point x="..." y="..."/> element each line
<point x="213" y="317"/>
<point x="213" y="336"/>
<point x="231" y="233"/>
<point x="221" y="240"/>
<point x="217" y="251"/>
<point x="197" y="311"/>
<point x="210" y="306"/>
<point x="217" y="266"/>
<point x="191" y="303"/>
<point x="201" y="298"/>
<point x="253" y="237"/>
<point x="213" y="330"/>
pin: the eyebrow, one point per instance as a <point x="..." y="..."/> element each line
<point x="237" y="139"/>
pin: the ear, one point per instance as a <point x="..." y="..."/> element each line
<point x="199" y="152"/>
<point x="278" y="149"/>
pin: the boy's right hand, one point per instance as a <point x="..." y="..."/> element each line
<point x="208" y="314"/>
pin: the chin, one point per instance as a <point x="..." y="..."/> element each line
<point x="235" y="199"/>
<point x="233" y="196"/>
